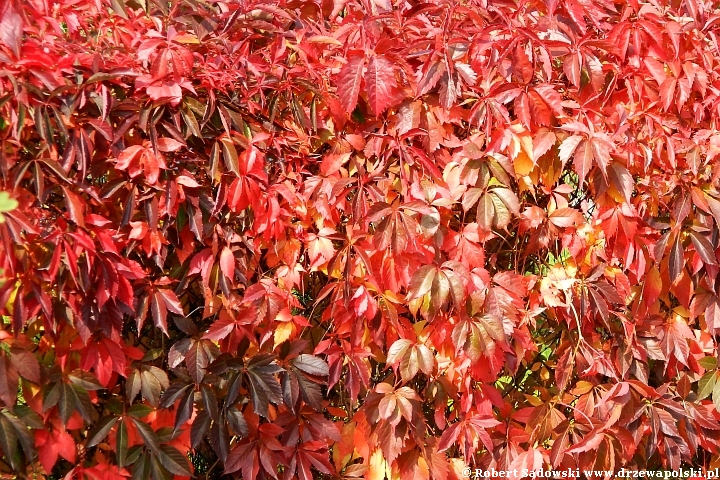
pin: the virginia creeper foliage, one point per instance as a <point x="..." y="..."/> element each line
<point x="358" y="238"/>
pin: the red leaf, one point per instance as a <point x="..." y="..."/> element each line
<point x="171" y="301"/>
<point x="8" y="381"/>
<point x="590" y="441"/>
<point x="11" y="27"/>
<point x="571" y="67"/>
<point x="348" y="80"/>
<point x="543" y="141"/>
<point x="168" y="144"/>
<point x="227" y="263"/>
<point x="652" y="286"/>
<point x="522" y="67"/>
<point x="245" y="458"/>
<point x="159" y="311"/>
<point x="565" y="217"/>
<point x="75" y="207"/>
<point x="380" y="83"/>
<point x="26" y="364"/>
<point x="667" y="92"/>
<point x="582" y="160"/>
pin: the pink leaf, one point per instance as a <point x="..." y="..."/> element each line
<point x="11" y="27"/>
<point x="227" y="263"/>
<point x="168" y="144"/>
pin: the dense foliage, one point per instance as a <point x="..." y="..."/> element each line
<point x="358" y="238"/>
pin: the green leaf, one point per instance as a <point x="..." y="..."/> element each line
<point x="121" y="444"/>
<point x="101" y="430"/>
<point x="210" y="401"/>
<point x="158" y="471"/>
<point x="421" y="281"/>
<point x="8" y="441"/>
<point x="66" y="402"/>
<point x="263" y="385"/>
<point x="706" y="385"/>
<point x="27" y="441"/>
<point x="716" y="393"/>
<point x="84" y="380"/>
<point x="677" y="259"/>
<point x="133" y="385"/>
<point x="174" y="461"/>
<point x="171" y="395"/>
<point x="28" y="417"/>
<point x="140" y="410"/>
<point x="708" y="363"/>
<point x="133" y="454"/>
<point x="148" y="435"/>
<point x="185" y="409"/>
<point x="153" y="354"/>
<point x="141" y="469"/>
<point x="154" y="381"/>
<point x="485" y="213"/>
<point x="166" y="434"/>
<point x="409" y="365"/>
<point x="199" y="428"/>
<point x="474" y="344"/>
<point x="102" y="76"/>
<point x="230" y="156"/>
<point x="7" y="204"/>
<point x="191" y="122"/>
<point x="83" y="404"/>
<point x="236" y="422"/>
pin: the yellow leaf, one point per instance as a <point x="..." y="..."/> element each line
<point x="377" y="466"/>
<point x="324" y="39"/>
<point x="283" y="332"/>
<point x="523" y="164"/>
<point x="458" y="467"/>
<point x="186" y="39"/>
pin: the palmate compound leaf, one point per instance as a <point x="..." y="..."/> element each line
<point x="148" y="380"/>
<point x="432" y="288"/>
<point x="303" y="379"/>
<point x="587" y="151"/>
<point x="264" y="387"/>
<point x="15" y="439"/>
<point x="200" y="354"/>
<point x="496" y="208"/>
<point x="468" y="431"/>
<point x="71" y="397"/>
<point x="411" y="358"/>
<point x="478" y="336"/>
